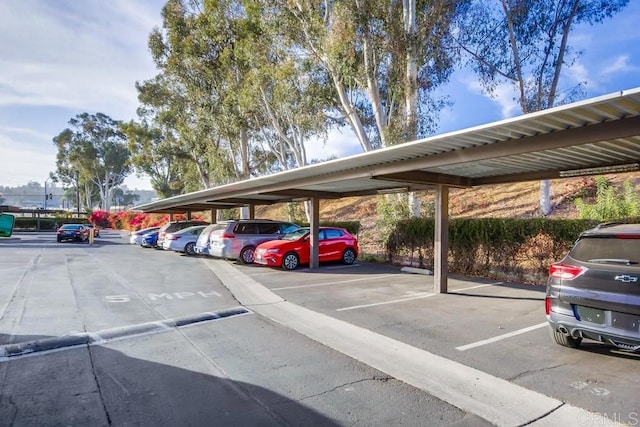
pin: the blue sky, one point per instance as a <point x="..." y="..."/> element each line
<point x="65" y="57"/>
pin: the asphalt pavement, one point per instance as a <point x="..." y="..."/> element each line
<point x="479" y="354"/>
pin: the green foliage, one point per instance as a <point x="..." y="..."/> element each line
<point x="46" y="224"/>
<point x="610" y="204"/>
<point x="352" y="227"/>
<point x="295" y="212"/>
<point x="391" y="209"/>
<point x="526" y="44"/>
<point x="92" y="156"/>
<point x="516" y="249"/>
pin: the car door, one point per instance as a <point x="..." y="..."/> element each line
<point x="331" y="245"/>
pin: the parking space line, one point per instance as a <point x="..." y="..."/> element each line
<point x="501" y="337"/>
<point x="332" y="283"/>
<point x="424" y="295"/>
<point x="416" y="296"/>
<point x="457" y="291"/>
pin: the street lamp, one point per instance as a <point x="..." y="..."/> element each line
<point x="46" y="195"/>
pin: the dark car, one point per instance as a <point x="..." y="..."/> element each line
<point x="594" y="292"/>
<point x="77" y="232"/>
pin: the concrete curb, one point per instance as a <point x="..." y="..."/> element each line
<point x="491" y="398"/>
<point x="106" y="335"/>
<point x="414" y="270"/>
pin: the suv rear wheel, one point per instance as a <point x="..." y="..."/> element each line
<point x="246" y="255"/>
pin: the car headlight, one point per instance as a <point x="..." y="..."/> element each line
<point x="273" y="251"/>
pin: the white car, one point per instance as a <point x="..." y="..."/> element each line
<point x="183" y="240"/>
<point x="136" y="236"/>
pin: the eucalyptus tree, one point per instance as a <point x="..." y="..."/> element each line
<point x="153" y="153"/>
<point x="92" y="153"/>
<point x="384" y="60"/>
<point x="294" y="104"/>
<point x="525" y="43"/>
<point x="203" y="53"/>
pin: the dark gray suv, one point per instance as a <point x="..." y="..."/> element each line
<point x="594" y="292"/>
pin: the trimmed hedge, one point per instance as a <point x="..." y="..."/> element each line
<point x="501" y="248"/>
<point x="352" y="227"/>
<point x="47" y="224"/>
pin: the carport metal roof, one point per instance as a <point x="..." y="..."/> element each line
<point x="594" y="136"/>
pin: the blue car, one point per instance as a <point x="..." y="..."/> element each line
<point x="150" y="240"/>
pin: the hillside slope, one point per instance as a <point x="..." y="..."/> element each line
<point x="519" y="200"/>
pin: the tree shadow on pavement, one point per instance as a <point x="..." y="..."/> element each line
<point x="99" y="386"/>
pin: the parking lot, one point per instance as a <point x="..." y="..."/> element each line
<point x="498" y="328"/>
<point x="495" y="328"/>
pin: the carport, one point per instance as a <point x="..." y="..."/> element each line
<point x="596" y="136"/>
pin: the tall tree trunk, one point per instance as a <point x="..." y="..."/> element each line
<point x="411" y="89"/>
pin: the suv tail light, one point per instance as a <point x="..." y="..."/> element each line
<point x="565" y="271"/>
<point x="226" y="235"/>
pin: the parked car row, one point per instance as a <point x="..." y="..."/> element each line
<point x="267" y="242"/>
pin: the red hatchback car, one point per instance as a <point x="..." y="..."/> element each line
<point x="335" y="244"/>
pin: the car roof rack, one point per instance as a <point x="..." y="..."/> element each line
<point x="608" y="224"/>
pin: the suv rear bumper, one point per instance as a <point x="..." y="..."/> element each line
<point x="570" y="326"/>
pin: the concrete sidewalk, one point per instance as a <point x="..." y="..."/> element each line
<point x="491" y="398"/>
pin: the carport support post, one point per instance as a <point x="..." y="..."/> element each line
<point x="252" y="211"/>
<point x="314" y="227"/>
<point x="441" y="241"/>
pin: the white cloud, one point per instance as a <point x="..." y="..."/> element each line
<point x="339" y="143"/>
<point x="619" y="64"/>
<point x="577" y="73"/>
<point x="81" y="55"/>
<point x="23" y="161"/>
<point x="504" y="95"/>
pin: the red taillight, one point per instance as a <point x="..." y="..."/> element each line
<point x="547" y="305"/>
<point x="224" y="235"/>
<point x="565" y="272"/>
<point x="171" y="237"/>
<point x="627" y="236"/>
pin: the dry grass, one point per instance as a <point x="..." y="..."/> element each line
<point x="518" y="200"/>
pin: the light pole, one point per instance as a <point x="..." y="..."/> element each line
<point x="46" y="195"/>
<point x="77" y="193"/>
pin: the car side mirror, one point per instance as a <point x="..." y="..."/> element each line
<point x="6" y="225"/>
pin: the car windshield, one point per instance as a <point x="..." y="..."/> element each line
<point x="70" y="227"/>
<point x="607" y="250"/>
<point x="295" y="235"/>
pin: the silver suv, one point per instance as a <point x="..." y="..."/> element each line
<point x="238" y="239"/>
<point x="594" y="292"/>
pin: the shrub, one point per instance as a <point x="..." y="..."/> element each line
<point x="518" y="249"/>
<point x="610" y="204"/>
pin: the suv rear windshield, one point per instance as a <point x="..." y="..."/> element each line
<point x="601" y="249"/>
